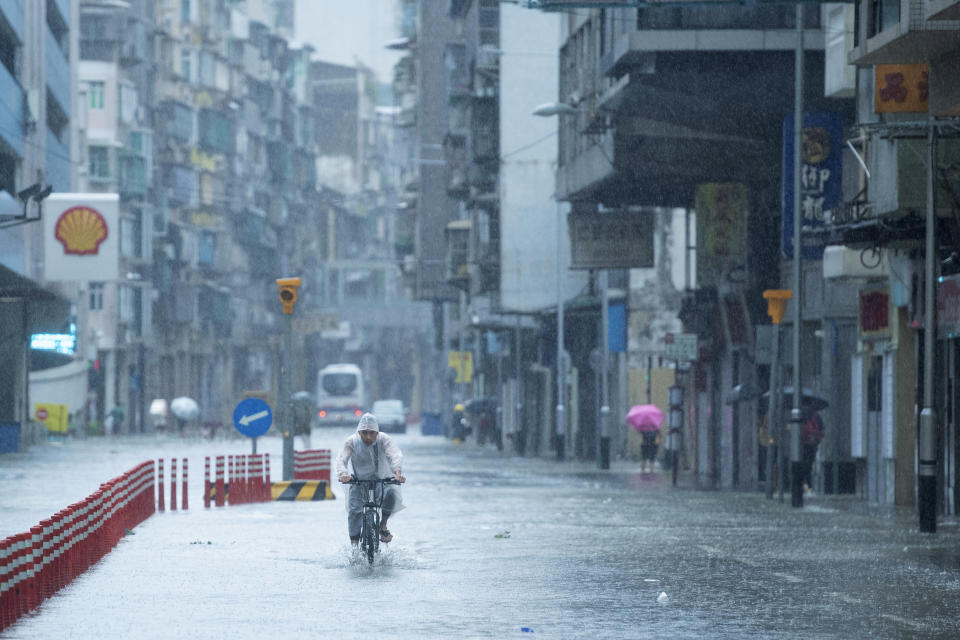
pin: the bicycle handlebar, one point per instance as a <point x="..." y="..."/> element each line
<point x="355" y="480"/>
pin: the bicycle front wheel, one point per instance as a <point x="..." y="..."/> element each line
<point x="369" y="535"/>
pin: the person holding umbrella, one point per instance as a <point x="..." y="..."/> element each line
<point x="646" y="419"/>
<point x="184" y="409"/>
<point x="811" y="433"/>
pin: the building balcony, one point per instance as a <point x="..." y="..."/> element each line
<point x="635" y="49"/>
<point x="181" y="185"/>
<point x="11" y="115"/>
<point x="12" y="11"/>
<point x="455" y="165"/>
<point x="63" y="6"/>
<point x="57" y="73"/>
<point x="943" y="10"/>
<point x="133" y="174"/>
<point x="457" y="72"/>
<point x="57" y="167"/>
<point x="909" y="37"/>
<point x="458" y="268"/>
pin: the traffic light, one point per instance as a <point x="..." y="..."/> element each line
<point x="288" y="293"/>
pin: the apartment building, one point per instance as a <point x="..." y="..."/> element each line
<point x="684" y="108"/>
<point x="38" y="45"/>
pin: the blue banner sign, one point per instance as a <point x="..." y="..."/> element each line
<point x="821" y="177"/>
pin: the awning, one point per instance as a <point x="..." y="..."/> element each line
<point x="47" y="312"/>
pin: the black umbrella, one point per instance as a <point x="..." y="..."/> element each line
<point x="809" y="398"/>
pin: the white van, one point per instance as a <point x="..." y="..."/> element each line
<point x="340" y="395"/>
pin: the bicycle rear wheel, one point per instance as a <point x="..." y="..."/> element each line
<point x="369" y="535"/>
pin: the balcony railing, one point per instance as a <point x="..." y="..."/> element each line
<point x="133" y="174"/>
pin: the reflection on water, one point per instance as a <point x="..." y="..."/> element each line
<point x="491" y="546"/>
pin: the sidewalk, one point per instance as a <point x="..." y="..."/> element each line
<point x="904" y="518"/>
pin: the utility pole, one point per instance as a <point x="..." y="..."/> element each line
<point x="561" y="409"/>
<point x="927" y="453"/>
<point x="796" y="486"/>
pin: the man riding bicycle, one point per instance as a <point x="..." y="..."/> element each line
<point x="371" y="455"/>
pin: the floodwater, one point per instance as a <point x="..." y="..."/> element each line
<point x="489" y="547"/>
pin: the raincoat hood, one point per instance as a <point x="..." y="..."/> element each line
<point x="368" y="422"/>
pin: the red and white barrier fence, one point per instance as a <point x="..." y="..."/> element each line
<point x="36" y="564"/>
<point x="312" y="464"/>
<point x="238" y="479"/>
<point x="173" y="485"/>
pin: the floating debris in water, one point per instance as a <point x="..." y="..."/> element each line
<point x="128" y="532"/>
<point x="663" y="597"/>
<point x="502" y="534"/>
<point x="526" y="629"/>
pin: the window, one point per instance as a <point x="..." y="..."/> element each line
<point x="96" y="94"/>
<point x="185" y="57"/>
<point x="99" y="163"/>
<point x="185" y="11"/>
<point x="96" y="296"/>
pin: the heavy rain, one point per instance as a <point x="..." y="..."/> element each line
<point x="646" y="307"/>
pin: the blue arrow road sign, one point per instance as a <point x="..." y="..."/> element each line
<point x="252" y="417"/>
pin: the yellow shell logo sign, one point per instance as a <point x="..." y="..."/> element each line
<point x="81" y="230"/>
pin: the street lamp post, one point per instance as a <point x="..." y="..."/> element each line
<point x="603" y="449"/>
<point x="563" y="445"/>
<point x="561" y="425"/>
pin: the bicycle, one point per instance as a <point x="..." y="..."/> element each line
<point x="370" y="520"/>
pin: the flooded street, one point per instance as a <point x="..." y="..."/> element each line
<point x="488" y="547"/>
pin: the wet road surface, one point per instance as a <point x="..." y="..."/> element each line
<point x="489" y="547"/>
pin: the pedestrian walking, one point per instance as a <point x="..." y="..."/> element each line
<point x="811" y="434"/>
<point x="117" y="414"/>
<point x="648" y="450"/>
<point x="457" y="424"/>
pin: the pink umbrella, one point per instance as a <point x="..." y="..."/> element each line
<point x="645" y="417"/>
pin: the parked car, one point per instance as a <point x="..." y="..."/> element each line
<point x="391" y="415"/>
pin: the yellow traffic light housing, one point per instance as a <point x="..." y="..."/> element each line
<point x="777" y="303"/>
<point x="288" y="293"/>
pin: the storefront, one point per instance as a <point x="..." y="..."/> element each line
<point x="25" y="309"/>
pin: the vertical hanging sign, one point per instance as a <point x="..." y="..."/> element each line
<point x="821" y="173"/>
<point x="721" y="230"/>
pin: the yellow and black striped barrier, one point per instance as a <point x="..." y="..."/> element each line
<point x="301" y="490"/>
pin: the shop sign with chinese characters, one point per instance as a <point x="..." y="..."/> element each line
<point x="902" y="88"/>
